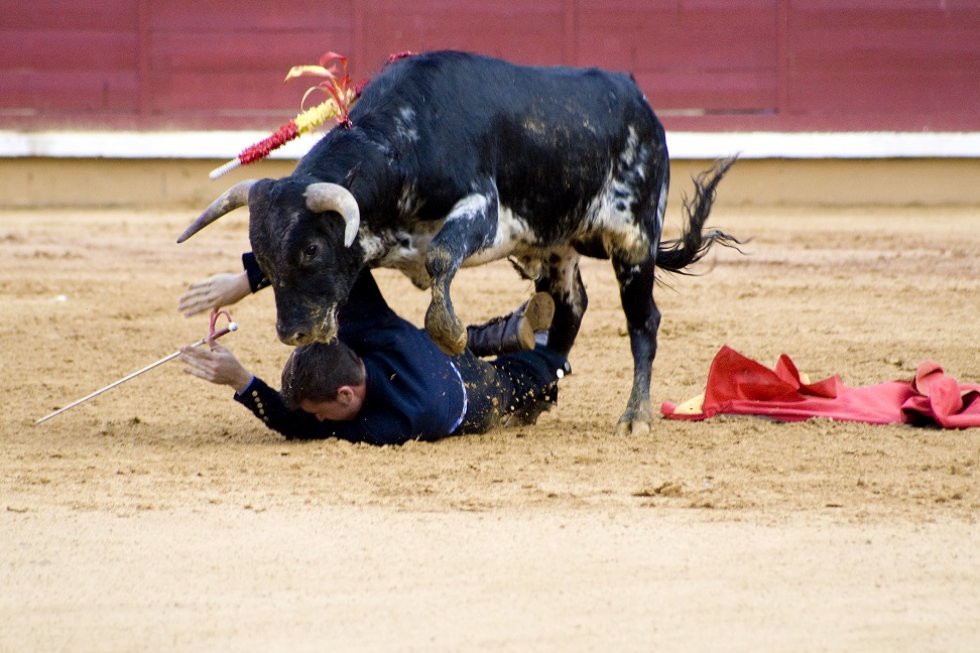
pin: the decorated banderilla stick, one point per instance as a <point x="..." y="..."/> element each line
<point x="212" y="335"/>
<point x="341" y="92"/>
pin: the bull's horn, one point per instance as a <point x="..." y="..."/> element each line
<point x="230" y="200"/>
<point x="323" y="196"/>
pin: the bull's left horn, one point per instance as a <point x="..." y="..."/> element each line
<point x="230" y="200"/>
<point x="323" y="196"/>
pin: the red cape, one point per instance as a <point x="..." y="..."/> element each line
<point x="740" y="386"/>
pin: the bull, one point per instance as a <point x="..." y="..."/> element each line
<point x="452" y="159"/>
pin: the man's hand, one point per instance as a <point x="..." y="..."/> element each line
<point x="220" y="290"/>
<point x="217" y="365"/>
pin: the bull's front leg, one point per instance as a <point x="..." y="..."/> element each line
<point x="643" y="321"/>
<point x="469" y="227"/>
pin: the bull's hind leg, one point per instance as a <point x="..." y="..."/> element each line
<point x="643" y="321"/>
<point x="560" y="278"/>
<point x="469" y="227"/>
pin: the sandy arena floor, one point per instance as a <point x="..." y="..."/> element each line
<point x="163" y="517"/>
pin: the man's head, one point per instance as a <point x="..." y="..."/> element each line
<point x="327" y="380"/>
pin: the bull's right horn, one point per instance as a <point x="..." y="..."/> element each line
<point x="230" y="200"/>
<point x="323" y="196"/>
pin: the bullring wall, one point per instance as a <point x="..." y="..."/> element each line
<point x="136" y="183"/>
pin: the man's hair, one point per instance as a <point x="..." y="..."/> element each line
<point x="316" y="372"/>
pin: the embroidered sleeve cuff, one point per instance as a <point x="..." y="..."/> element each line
<point x="255" y="398"/>
<point x="247" y="390"/>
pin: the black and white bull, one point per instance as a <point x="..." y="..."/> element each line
<point x="453" y="160"/>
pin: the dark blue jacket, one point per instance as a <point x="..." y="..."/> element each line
<point x="413" y="389"/>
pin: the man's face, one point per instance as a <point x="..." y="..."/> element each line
<point x="340" y="409"/>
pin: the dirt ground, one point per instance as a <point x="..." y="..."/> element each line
<point x="163" y="517"/>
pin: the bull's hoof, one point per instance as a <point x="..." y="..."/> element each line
<point x="445" y="330"/>
<point x="637" y="427"/>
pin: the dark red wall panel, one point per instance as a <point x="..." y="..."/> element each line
<point x="894" y="62"/>
<point x="692" y="58"/>
<point x="704" y="64"/>
<point x="522" y="32"/>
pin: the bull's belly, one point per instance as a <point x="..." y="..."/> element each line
<point x="514" y="238"/>
<point x="412" y="264"/>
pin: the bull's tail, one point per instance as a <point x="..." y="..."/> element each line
<point x="675" y="255"/>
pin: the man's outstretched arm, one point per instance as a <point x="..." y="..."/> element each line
<point x="223" y="289"/>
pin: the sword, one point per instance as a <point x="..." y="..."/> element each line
<point x="212" y="335"/>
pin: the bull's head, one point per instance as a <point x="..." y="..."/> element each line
<point x="302" y="235"/>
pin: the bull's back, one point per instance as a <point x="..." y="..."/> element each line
<point x="546" y="136"/>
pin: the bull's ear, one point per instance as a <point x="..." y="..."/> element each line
<point x="323" y="196"/>
<point x="230" y="200"/>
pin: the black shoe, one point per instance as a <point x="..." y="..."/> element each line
<point x="514" y="332"/>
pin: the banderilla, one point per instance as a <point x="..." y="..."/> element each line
<point x="214" y="335"/>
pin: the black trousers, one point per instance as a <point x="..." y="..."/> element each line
<point x="512" y="383"/>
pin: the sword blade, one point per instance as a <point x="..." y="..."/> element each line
<point x="231" y="327"/>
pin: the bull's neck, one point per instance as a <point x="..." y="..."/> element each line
<point x="350" y="158"/>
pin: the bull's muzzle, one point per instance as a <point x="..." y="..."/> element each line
<point x="296" y="337"/>
<point x="323" y="328"/>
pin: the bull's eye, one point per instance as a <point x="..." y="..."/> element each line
<point x="310" y="251"/>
